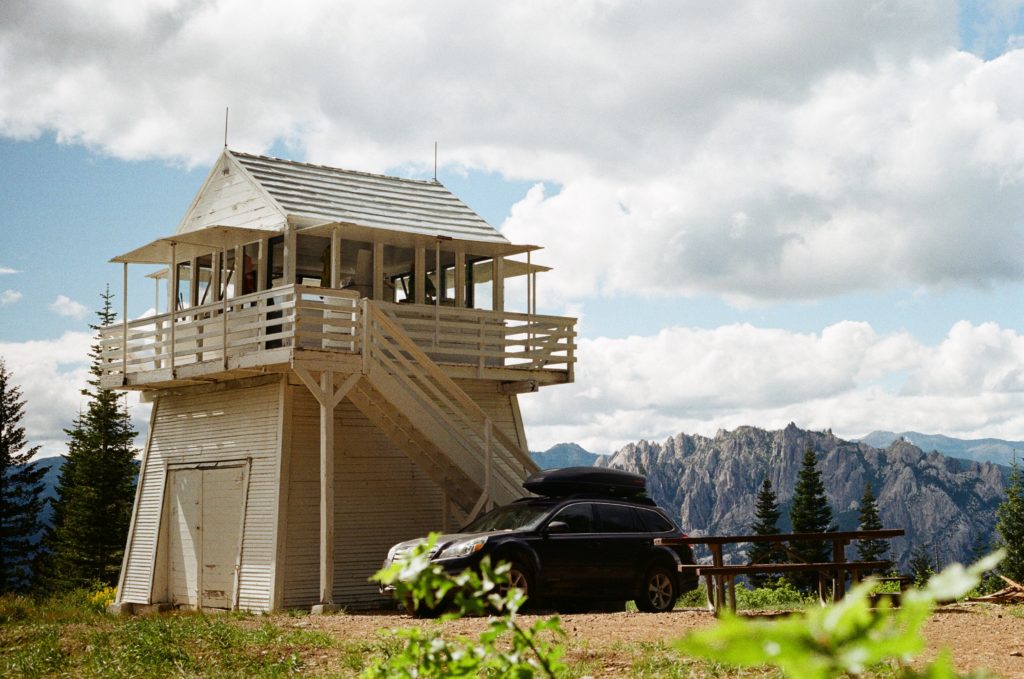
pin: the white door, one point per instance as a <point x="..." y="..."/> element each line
<point x="205" y="524"/>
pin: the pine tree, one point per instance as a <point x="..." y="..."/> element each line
<point x="767" y="515"/>
<point x="870" y="550"/>
<point x="20" y="491"/>
<point x="810" y="513"/>
<point x="95" y="490"/>
<point x="921" y="564"/>
<point x="1010" y="525"/>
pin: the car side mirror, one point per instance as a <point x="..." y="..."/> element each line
<point x="557" y="527"/>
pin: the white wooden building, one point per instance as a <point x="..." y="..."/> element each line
<point x="332" y="369"/>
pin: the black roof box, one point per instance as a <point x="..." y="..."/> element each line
<point x="596" y="480"/>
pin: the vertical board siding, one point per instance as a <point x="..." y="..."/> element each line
<point x="220" y="426"/>
<point x="381" y="497"/>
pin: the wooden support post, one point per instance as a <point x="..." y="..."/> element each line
<point x="328" y="398"/>
<point x="193" y="283"/>
<point x="839" y="575"/>
<point x="237" y="272"/>
<point x="158" y="333"/>
<point x="289" y="255"/>
<point x="335" y="258"/>
<point x="419" y="275"/>
<point x="124" y="326"/>
<point x="174" y="292"/>
<point x="223" y="316"/>
<point x="438" y="291"/>
<point x="216" y="266"/>
<point x="460" y="276"/>
<point x="261" y="265"/>
<point x="498" y="283"/>
<point x="378" y="271"/>
<point x="716" y="560"/>
<point x="326" y="491"/>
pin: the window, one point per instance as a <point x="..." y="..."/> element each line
<point x="617" y="519"/>
<point x="655" y="522"/>
<point x="579" y="517"/>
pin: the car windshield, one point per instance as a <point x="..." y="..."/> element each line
<point x="511" y="517"/>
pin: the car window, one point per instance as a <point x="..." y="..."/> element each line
<point x="579" y="516"/>
<point x="510" y="517"/>
<point x="617" y="519"/>
<point x="655" y="522"/>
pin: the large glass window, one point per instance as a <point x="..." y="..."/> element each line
<point x="579" y="517"/>
<point x="617" y="519"/>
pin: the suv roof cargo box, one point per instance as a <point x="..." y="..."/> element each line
<point x="595" y="480"/>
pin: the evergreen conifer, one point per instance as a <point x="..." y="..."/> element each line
<point x="767" y="515"/>
<point x="870" y="550"/>
<point x="810" y="513"/>
<point x="1010" y="525"/>
<point x="95" y="490"/>
<point x="920" y="564"/>
<point x="20" y="491"/>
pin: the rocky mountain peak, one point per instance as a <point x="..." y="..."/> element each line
<point x="710" y="484"/>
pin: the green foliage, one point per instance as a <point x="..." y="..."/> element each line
<point x="767" y="516"/>
<point x="781" y="596"/>
<point x="503" y="649"/>
<point x="20" y="491"/>
<point x="921" y="565"/>
<point x="1010" y="525"/>
<point x="810" y="513"/>
<point x="65" y="636"/>
<point x="870" y="550"/>
<point x="96" y="488"/>
<point x="848" y="637"/>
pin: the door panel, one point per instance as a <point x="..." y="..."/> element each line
<point x="204" y="526"/>
<point x="184" y="539"/>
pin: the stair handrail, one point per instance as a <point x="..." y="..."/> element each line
<point x="421" y="362"/>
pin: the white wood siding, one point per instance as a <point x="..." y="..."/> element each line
<point x="381" y="498"/>
<point x="231" y="200"/>
<point x="218" y="426"/>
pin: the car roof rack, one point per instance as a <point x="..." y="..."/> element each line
<point x="592" y="481"/>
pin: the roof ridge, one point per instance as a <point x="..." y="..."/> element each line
<point x="429" y="182"/>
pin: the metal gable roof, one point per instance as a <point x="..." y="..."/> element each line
<point x="329" y="194"/>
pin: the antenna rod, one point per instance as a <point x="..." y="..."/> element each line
<point x="226" y="109"/>
<point x="435" y="161"/>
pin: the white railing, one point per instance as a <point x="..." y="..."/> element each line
<point x="489" y="338"/>
<point x="242" y="327"/>
<point x="248" y="331"/>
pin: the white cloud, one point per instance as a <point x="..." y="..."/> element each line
<point x="7" y="270"/>
<point x="847" y="378"/>
<point x="65" y="306"/>
<point x="10" y="297"/>
<point x="750" y="151"/>
<point x="51" y="374"/>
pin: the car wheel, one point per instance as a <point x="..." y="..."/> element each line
<point x="658" y="591"/>
<point x="520" y="576"/>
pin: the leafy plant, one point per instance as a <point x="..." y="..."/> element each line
<point x="846" y="637"/>
<point x="503" y="649"/>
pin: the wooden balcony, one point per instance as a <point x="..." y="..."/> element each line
<point x="272" y="330"/>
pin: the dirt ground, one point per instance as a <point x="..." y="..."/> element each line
<point x="978" y="636"/>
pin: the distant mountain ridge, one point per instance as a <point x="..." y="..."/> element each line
<point x="710" y="484"/>
<point x="564" y="455"/>
<point x="979" y="450"/>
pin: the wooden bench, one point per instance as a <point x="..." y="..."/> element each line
<point x="827" y="570"/>
<point x="720" y="577"/>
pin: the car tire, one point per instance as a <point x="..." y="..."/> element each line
<point x="658" y="591"/>
<point x="521" y="575"/>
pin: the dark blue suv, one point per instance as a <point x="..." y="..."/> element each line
<point x="587" y="543"/>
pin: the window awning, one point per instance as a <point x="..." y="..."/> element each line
<point x="191" y="244"/>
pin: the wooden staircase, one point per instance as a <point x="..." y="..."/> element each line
<point x="434" y="421"/>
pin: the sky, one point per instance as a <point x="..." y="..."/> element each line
<point x="761" y="213"/>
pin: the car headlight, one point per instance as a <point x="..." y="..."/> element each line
<point x="461" y="548"/>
